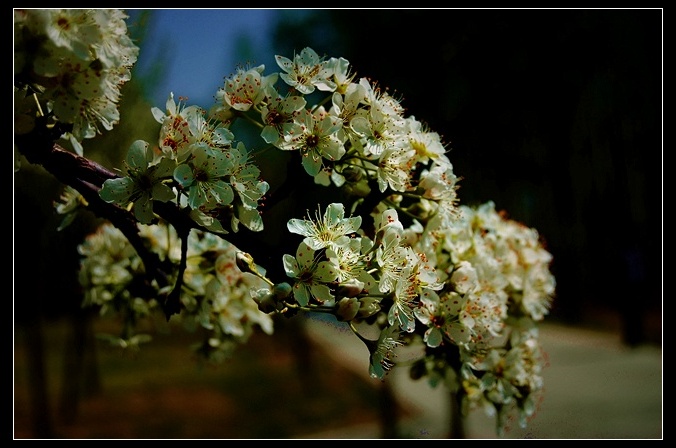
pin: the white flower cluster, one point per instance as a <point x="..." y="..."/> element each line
<point x="498" y="286"/>
<point x="357" y="273"/>
<point x="362" y="134"/>
<point x="497" y="267"/>
<point x="210" y="174"/>
<point x="362" y="139"/>
<point x="77" y="59"/>
<point x="215" y="294"/>
<point x="479" y="283"/>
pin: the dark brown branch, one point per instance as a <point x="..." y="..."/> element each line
<point x="172" y="305"/>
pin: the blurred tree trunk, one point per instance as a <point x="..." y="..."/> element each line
<point x="457" y="421"/>
<point x="37" y="379"/>
<point x="81" y="376"/>
<point x="388" y="412"/>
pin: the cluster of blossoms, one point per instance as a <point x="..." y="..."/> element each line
<point x="198" y="167"/>
<point x="363" y="136"/>
<point x="77" y="60"/>
<point x="498" y="286"/>
<point x="478" y="284"/>
<point x="465" y="283"/>
<point x="215" y="292"/>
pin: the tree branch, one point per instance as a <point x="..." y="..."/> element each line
<point x="87" y="177"/>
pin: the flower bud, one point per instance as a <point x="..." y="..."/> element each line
<point x="267" y="301"/>
<point x="347" y="309"/>
<point x="245" y="262"/>
<point x="350" y="288"/>
<point x="281" y="291"/>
